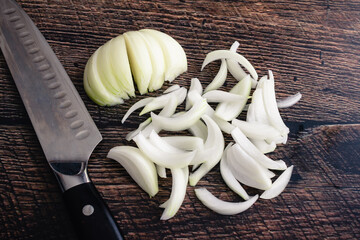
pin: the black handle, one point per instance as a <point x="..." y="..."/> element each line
<point x="90" y="214"/>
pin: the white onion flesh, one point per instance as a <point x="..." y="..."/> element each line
<point x="246" y="169"/>
<point x="263" y="146"/>
<point x="161" y="171"/>
<point x="175" y="57"/>
<point x="167" y="159"/>
<point x="223" y="207"/>
<point x="222" y="96"/>
<point x="183" y="121"/>
<point x="219" y="79"/>
<point x="195" y="86"/>
<point x="172" y="88"/>
<point x="266" y="162"/>
<point x="226" y="54"/>
<point x="279" y="185"/>
<point x="187" y="143"/>
<point x="137" y="105"/>
<point x="178" y="192"/>
<point x="229" y="178"/>
<point x="141" y="127"/>
<point x="256" y="130"/>
<point x="289" y="101"/>
<point x="271" y="105"/>
<point x="140" y="61"/>
<point x="199" y="129"/>
<point x="139" y="167"/>
<point x="212" y="152"/>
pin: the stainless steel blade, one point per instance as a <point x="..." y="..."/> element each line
<point x="63" y="125"/>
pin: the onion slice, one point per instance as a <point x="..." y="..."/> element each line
<point x="141" y="127"/>
<point x="139" y="104"/>
<point x="187" y="143"/>
<point x="178" y="192"/>
<point x="256" y="130"/>
<point x="172" y="88"/>
<point x="219" y="79"/>
<point x="229" y="178"/>
<point x="222" y="96"/>
<point x="161" y="171"/>
<point x="289" y="101"/>
<point x="263" y="146"/>
<point x="139" y="167"/>
<point x="212" y="152"/>
<point x="221" y="54"/>
<point x="266" y="162"/>
<point x="223" y="207"/>
<point x="279" y="185"/>
<point x="161" y="154"/>
<point x="183" y="121"/>
<point x="196" y="87"/>
<point x="199" y="129"/>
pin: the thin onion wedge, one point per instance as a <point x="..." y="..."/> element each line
<point x="172" y="88"/>
<point x="212" y="152"/>
<point x="279" y="185"/>
<point x="175" y="57"/>
<point x="139" y="167"/>
<point x="199" y="129"/>
<point x="187" y="143"/>
<point x="161" y="171"/>
<point x="160" y="156"/>
<point x="178" y="192"/>
<point x="140" y="128"/>
<point x="223" y="207"/>
<point x="221" y="54"/>
<point x="139" y="104"/>
<point x="183" y="121"/>
<point x="139" y="59"/>
<point x="266" y="162"/>
<point x="222" y="96"/>
<point x="219" y="79"/>
<point x="195" y="86"/>
<point x="256" y="130"/>
<point x="229" y="178"/>
<point x="246" y="170"/>
<point x="289" y="101"/>
<point x="263" y="146"/>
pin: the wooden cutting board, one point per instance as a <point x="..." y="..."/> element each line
<point x="311" y="46"/>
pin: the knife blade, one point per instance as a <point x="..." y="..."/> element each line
<point x="65" y="129"/>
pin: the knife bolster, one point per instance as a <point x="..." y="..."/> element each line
<point x="69" y="181"/>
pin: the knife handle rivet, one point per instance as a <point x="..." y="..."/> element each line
<point x="19" y="26"/>
<point x="70" y="114"/>
<point x="24" y="34"/>
<point x="65" y="104"/>
<point x="14" y="18"/>
<point x="47" y="76"/>
<point x="9" y="11"/>
<point x="87" y="210"/>
<point x="34" y="50"/>
<point x="44" y="67"/>
<point x="54" y="85"/>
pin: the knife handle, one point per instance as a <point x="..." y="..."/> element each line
<point x="90" y="214"/>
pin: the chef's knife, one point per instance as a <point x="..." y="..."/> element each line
<point x="64" y="127"/>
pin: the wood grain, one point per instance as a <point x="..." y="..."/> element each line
<point x="311" y="46"/>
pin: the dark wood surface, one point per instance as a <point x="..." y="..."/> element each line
<point x="311" y="46"/>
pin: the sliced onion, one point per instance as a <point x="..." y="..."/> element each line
<point x="139" y="167"/>
<point x="158" y="155"/>
<point x="196" y="87"/>
<point x="141" y="127"/>
<point x="279" y="185"/>
<point x="263" y="146"/>
<point x="175" y="57"/>
<point x="219" y="79"/>
<point x="231" y="110"/>
<point x="212" y="152"/>
<point x="246" y="169"/>
<point x="183" y="121"/>
<point x="221" y="54"/>
<point x="271" y="106"/>
<point x="172" y="88"/>
<point x="185" y="142"/>
<point x="199" y="129"/>
<point x="222" y="96"/>
<point x="139" y="58"/>
<point x="162" y="101"/>
<point x="156" y="140"/>
<point x="223" y="207"/>
<point x="289" y="101"/>
<point x="178" y="192"/>
<point x="256" y="130"/>
<point x="161" y="171"/>
<point x="266" y="162"/>
<point x="229" y="178"/>
<point x="139" y="104"/>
